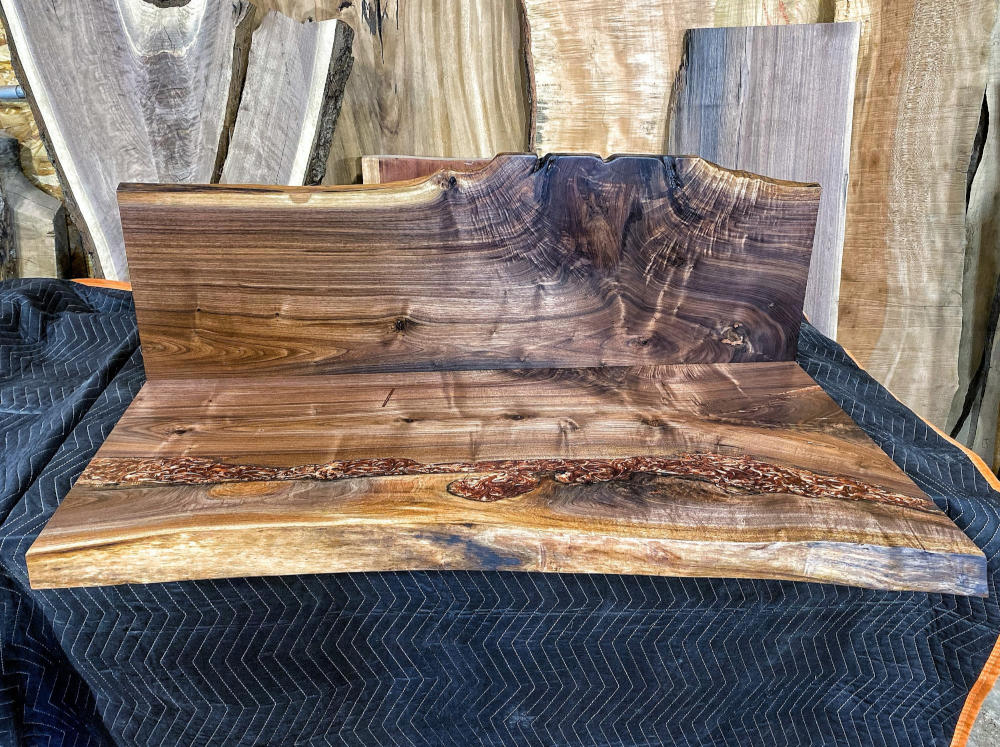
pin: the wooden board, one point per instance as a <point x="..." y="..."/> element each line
<point x="430" y="78"/>
<point x="562" y="261"/>
<point x="595" y="92"/>
<point x="379" y="169"/>
<point x="36" y="221"/>
<point x="745" y="470"/>
<point x="125" y="91"/>
<point x="975" y="412"/>
<point x="294" y="87"/>
<point x="921" y="76"/>
<point x="776" y="100"/>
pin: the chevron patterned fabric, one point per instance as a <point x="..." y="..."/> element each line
<point x="452" y="658"/>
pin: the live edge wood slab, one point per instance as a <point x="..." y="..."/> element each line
<point x="560" y="364"/>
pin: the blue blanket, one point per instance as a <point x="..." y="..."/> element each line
<point x="453" y="658"/>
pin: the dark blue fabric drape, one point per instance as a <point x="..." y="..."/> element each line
<point x="452" y="658"/>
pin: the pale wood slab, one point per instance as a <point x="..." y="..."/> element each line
<point x="564" y="261"/>
<point x="777" y="100"/>
<point x="430" y="78"/>
<point x="124" y="91"/>
<point x="752" y="472"/>
<point x="36" y="221"/>
<point x="296" y="73"/>
<point x="921" y="77"/>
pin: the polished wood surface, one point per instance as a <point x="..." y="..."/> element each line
<point x="776" y="100"/>
<point x="744" y="469"/>
<point x="561" y="261"/>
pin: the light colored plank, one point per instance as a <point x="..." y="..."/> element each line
<point x="976" y="405"/>
<point x="126" y="91"/>
<point x="921" y="76"/>
<point x="637" y="260"/>
<point x="776" y="100"/>
<point x="36" y="221"/>
<point x="380" y="169"/>
<point x="430" y="78"/>
<point x="290" y="101"/>
<point x="745" y="470"/>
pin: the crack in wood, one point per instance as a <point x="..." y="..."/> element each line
<point x="506" y="478"/>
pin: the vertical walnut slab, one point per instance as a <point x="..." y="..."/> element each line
<point x="776" y="100"/>
<point x="124" y="91"/>
<point x="921" y="77"/>
<point x="290" y="100"/>
<point x="561" y="261"/>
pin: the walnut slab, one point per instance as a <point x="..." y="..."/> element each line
<point x="557" y="364"/>
<point x="558" y="261"/>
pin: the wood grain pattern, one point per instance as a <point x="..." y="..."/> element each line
<point x="921" y="76"/>
<point x="776" y="100"/>
<point x="756" y="473"/>
<point x="290" y="101"/>
<point x="36" y="221"/>
<point x="430" y="78"/>
<point x="603" y="72"/>
<point x="380" y="169"/>
<point x="124" y="91"/>
<point x="563" y="261"/>
<point x="975" y="412"/>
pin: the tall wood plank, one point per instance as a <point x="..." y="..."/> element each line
<point x="745" y="470"/>
<point x="125" y="91"/>
<point x="36" y="221"/>
<point x="975" y="412"/>
<point x="776" y="100"/>
<point x="290" y="101"/>
<point x="921" y="76"/>
<point x="430" y="78"/>
<point x="561" y="261"/>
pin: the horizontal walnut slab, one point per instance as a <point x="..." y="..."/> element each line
<point x="743" y="469"/>
<point x="562" y="261"/>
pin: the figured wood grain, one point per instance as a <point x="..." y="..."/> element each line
<point x="379" y="169"/>
<point x="124" y="91"/>
<point x="921" y="76"/>
<point x="602" y="72"/>
<point x="290" y="101"/>
<point x="760" y="475"/>
<point x="776" y="100"/>
<point x="35" y="221"/>
<point x="563" y="261"/>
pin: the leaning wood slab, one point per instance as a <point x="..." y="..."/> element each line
<point x="776" y="100"/>
<point x="558" y="364"/>
<point x="289" y="104"/>
<point x="124" y="91"/>
<point x="560" y="261"/>
<point x="745" y="470"/>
